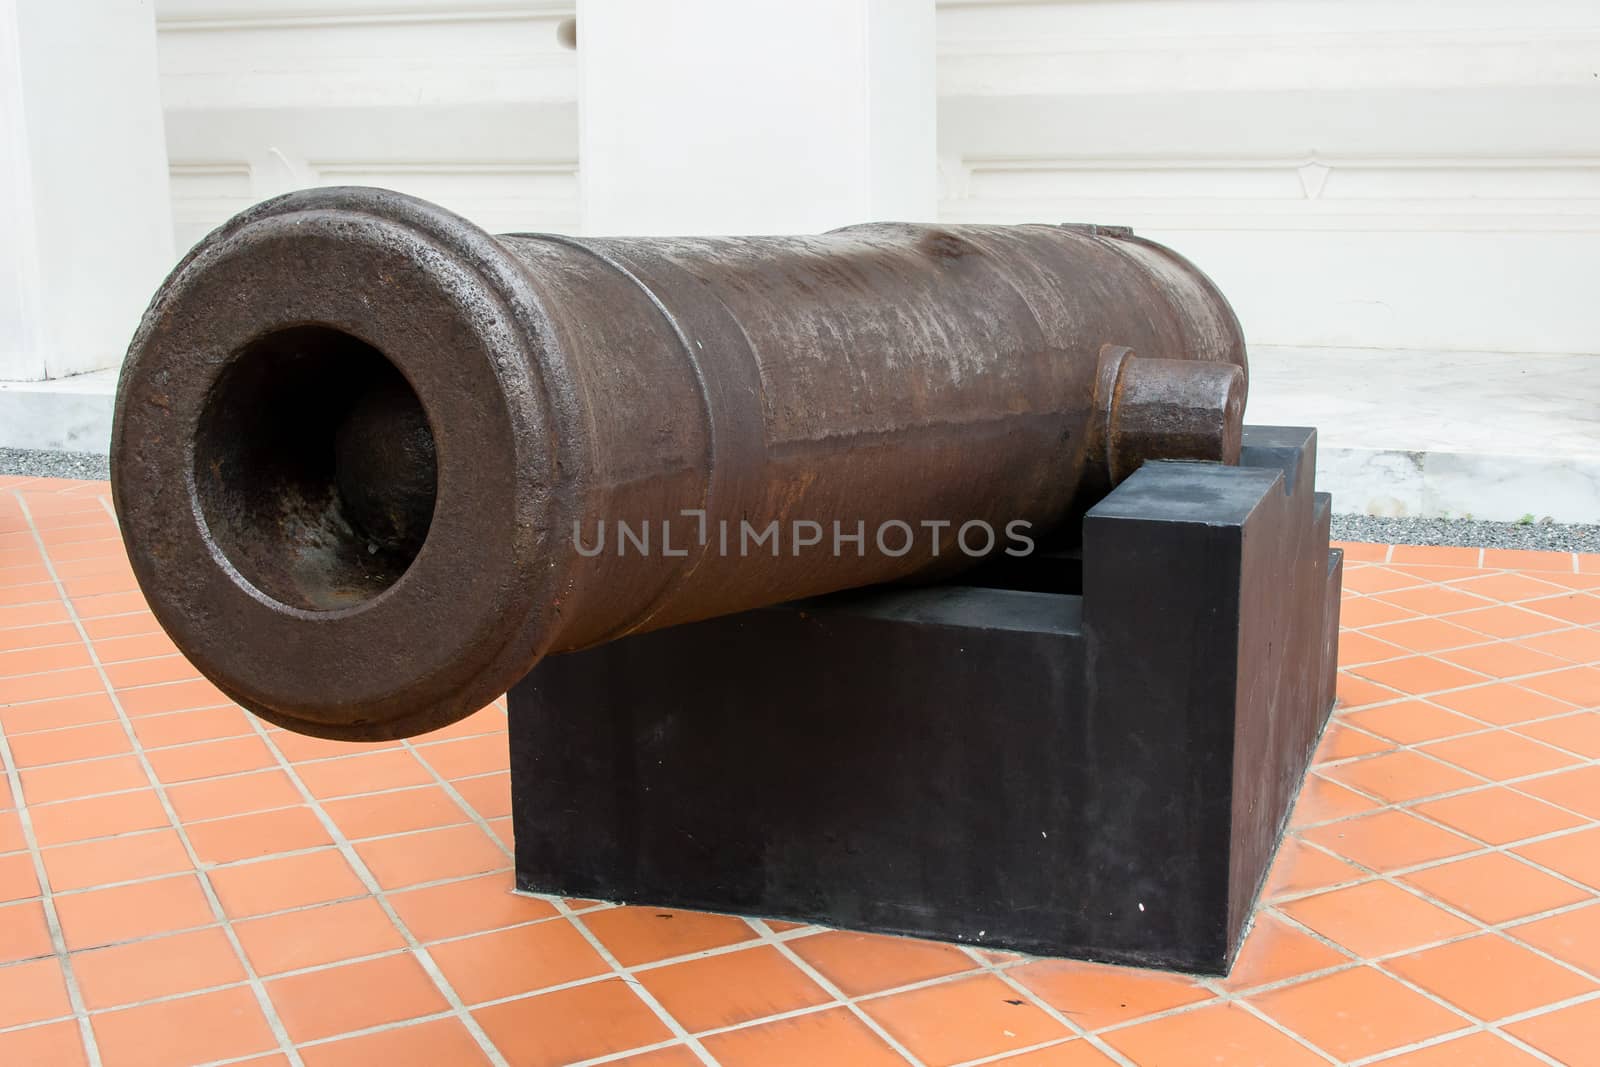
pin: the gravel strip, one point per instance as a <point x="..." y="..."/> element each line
<point x="1544" y="536"/>
<point x="1471" y="533"/>
<point x="90" y="466"/>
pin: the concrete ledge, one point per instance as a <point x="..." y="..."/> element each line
<point x="61" y="415"/>
<point x="1483" y="435"/>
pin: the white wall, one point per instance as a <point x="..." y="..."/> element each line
<point x="470" y="103"/>
<point x="1419" y="174"/>
<point x="85" y="234"/>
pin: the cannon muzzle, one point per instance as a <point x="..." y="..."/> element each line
<point x="372" y="463"/>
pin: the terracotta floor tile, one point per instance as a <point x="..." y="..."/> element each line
<point x="670" y="1056"/>
<point x="1321" y="800"/>
<point x="1380" y="579"/>
<point x="571" y="1025"/>
<point x="1095" y="995"/>
<point x="363" y="772"/>
<point x="53" y="714"/>
<point x="1572" y="936"/>
<point x="1526" y="559"/>
<point x="492" y="719"/>
<point x="1495" y="887"/>
<point x="834" y="1036"/>
<point x="1579" y="645"/>
<point x="468" y="756"/>
<point x="962" y="1020"/>
<point x="643" y="935"/>
<point x="19" y="656"/>
<point x="1375" y="918"/>
<point x="68" y="780"/>
<point x="1357" y="692"/>
<point x="216" y="798"/>
<point x="1489" y="977"/>
<point x="1503" y="704"/>
<point x="1506" y="621"/>
<point x="1576" y="855"/>
<point x="1498" y="815"/>
<point x="285" y="882"/>
<point x="1567" y="1035"/>
<point x="1388" y="839"/>
<point x="1358" y="552"/>
<point x="1299" y="868"/>
<point x="159" y="967"/>
<point x="114" y="859"/>
<point x="72" y="743"/>
<point x="1070" y="1053"/>
<point x="1503" y="659"/>
<point x="1441" y="554"/>
<point x="135" y="622"/>
<point x="1434" y="600"/>
<point x="1340" y="742"/>
<point x="1425" y="635"/>
<point x="24" y="933"/>
<point x="422" y="808"/>
<point x="1506" y="588"/>
<point x="489" y="794"/>
<point x="870" y="963"/>
<point x="150" y="671"/>
<point x="469" y="906"/>
<point x="57" y="1044"/>
<point x="80" y="820"/>
<point x="1355" y="646"/>
<point x="782" y="926"/>
<point x="1274" y="951"/>
<point x="1400" y="776"/>
<point x="1357" y="1013"/>
<point x="1578" y="733"/>
<point x="1365" y="611"/>
<point x="176" y="1033"/>
<point x="505" y="831"/>
<point x="122" y="913"/>
<point x="91" y="607"/>
<point x="136" y="646"/>
<point x="521" y="959"/>
<point x="439" y="1043"/>
<point x="431" y="855"/>
<point x="1412" y="721"/>
<point x="1579" y="686"/>
<point x="311" y="937"/>
<point x="208" y="759"/>
<point x="53" y="684"/>
<point x="354" y="996"/>
<point x="1219" y="1033"/>
<point x="173" y="696"/>
<point x="1499" y="755"/>
<point x="1575" y="607"/>
<point x="265" y="833"/>
<point x="1577" y="789"/>
<point x="186" y="727"/>
<point x="32" y="992"/>
<point x="731" y="988"/>
<point x="12" y="838"/>
<point x="1475" y="1050"/>
<point x="1418" y="675"/>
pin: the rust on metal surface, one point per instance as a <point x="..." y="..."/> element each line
<point x="363" y="449"/>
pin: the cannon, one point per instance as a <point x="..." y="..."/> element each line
<point x="365" y="454"/>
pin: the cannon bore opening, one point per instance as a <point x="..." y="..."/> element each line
<point x="314" y="468"/>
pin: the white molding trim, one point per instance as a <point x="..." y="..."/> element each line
<point x="181" y="17"/>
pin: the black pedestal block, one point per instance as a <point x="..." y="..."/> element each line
<point x="1018" y="764"/>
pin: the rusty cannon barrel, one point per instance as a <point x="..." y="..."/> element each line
<point x="372" y="463"/>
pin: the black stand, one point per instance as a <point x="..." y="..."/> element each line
<point x="1091" y="760"/>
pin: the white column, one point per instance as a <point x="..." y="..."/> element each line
<point x="755" y="116"/>
<point x="85" y="219"/>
